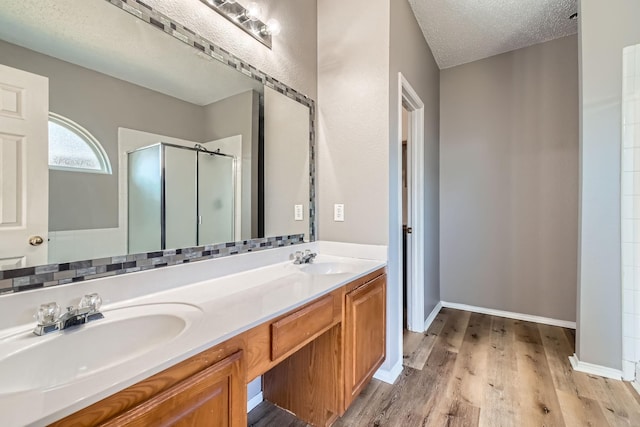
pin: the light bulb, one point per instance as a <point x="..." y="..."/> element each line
<point x="253" y="11"/>
<point x="273" y="27"/>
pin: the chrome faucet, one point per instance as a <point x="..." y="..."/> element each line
<point x="50" y="320"/>
<point x="304" y="258"/>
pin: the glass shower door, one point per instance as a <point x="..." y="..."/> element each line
<point x="145" y="199"/>
<point x="216" y="202"/>
<point x="180" y="208"/>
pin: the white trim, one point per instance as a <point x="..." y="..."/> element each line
<point x="511" y="315"/>
<point x="629" y="330"/>
<point x="395" y="260"/>
<point x="389" y="376"/>
<point x="590" y="368"/>
<point x="635" y="385"/>
<point x="415" y="290"/>
<point x="628" y="370"/>
<point x="432" y="315"/>
<point x="88" y="138"/>
<point x="254" y="401"/>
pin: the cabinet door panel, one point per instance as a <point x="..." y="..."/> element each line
<point x="215" y="397"/>
<point x="365" y="323"/>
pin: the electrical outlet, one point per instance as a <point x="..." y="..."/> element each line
<point x="338" y="212"/>
<point x="298" y="213"/>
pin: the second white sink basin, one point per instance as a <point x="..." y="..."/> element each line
<point x="323" y="268"/>
<point x="31" y="362"/>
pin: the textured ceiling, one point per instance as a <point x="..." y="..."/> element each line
<point x="461" y="31"/>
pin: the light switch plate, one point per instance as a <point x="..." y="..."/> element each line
<point x="298" y="213"/>
<point x="338" y="212"/>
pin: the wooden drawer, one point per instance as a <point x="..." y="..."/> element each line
<point x="296" y="329"/>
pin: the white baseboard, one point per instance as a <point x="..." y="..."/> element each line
<point x="636" y="385"/>
<point x="432" y="315"/>
<point x="590" y="368"/>
<point x="389" y="376"/>
<point x="511" y="315"/>
<point x="254" y="401"/>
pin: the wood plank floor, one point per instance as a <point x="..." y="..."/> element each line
<point x="472" y="369"/>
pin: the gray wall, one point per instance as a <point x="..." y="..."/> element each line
<point x="605" y="29"/>
<point x="357" y="128"/>
<point x="353" y="132"/>
<point x="239" y="115"/>
<point x="411" y="55"/>
<point x="353" y="120"/>
<point x="509" y="181"/>
<point x="100" y="104"/>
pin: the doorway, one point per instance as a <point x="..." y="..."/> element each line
<point x="411" y="216"/>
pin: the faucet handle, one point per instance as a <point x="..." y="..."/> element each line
<point x="91" y="301"/>
<point x="47" y="313"/>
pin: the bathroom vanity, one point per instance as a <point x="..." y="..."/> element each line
<point x="315" y="360"/>
<point x="314" y="332"/>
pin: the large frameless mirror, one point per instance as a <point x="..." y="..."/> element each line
<point x="132" y="140"/>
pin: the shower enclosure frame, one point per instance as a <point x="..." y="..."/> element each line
<point x="197" y="149"/>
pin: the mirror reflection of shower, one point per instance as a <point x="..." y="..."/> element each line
<point x="631" y="212"/>
<point x="180" y="196"/>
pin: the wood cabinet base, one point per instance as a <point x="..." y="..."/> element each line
<point x="213" y="397"/>
<point x="364" y="343"/>
<point x="309" y="382"/>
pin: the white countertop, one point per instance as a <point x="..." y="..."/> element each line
<point x="231" y="302"/>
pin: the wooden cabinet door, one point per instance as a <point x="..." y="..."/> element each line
<point x="365" y="333"/>
<point x="214" y="397"/>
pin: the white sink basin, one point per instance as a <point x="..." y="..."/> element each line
<point x="325" y="268"/>
<point x="31" y="362"/>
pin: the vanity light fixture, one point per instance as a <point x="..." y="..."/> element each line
<point x="247" y="18"/>
<point x="272" y="27"/>
<point x="253" y="12"/>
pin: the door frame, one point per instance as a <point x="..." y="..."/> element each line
<point x="409" y="98"/>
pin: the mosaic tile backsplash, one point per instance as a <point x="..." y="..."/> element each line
<point x="23" y="279"/>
